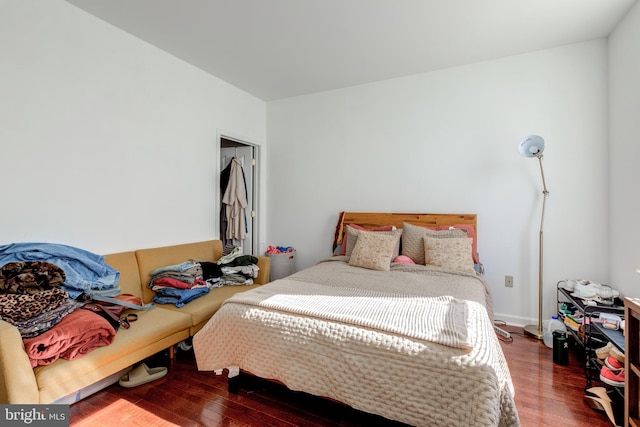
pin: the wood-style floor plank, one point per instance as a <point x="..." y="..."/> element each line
<point x="545" y="393"/>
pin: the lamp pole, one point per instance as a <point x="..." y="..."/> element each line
<point x="536" y="330"/>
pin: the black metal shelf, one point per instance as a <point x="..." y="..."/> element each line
<point x="614" y="336"/>
<point x="594" y="335"/>
<point x="592" y="310"/>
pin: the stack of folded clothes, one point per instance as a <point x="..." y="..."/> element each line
<point x="178" y="284"/>
<point x="238" y="269"/>
<point x="77" y="334"/>
<point x="32" y="299"/>
<point x="31" y="296"/>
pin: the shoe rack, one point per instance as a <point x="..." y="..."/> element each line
<point x="592" y="335"/>
<point x="632" y="362"/>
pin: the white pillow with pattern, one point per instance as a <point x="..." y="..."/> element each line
<point x="374" y="251"/>
<point x="451" y="254"/>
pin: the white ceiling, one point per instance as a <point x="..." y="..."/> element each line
<point x="276" y="49"/>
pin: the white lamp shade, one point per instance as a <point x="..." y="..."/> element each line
<point x="531" y="146"/>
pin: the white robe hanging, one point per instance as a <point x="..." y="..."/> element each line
<point x="235" y="201"/>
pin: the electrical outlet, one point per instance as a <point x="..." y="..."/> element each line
<point x="508" y="281"/>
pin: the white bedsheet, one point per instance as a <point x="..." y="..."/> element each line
<point x="398" y="369"/>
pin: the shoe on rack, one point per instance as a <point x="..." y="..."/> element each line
<point x="610" y="377"/>
<point x="614" y="352"/>
<point x="600" y="404"/>
<point x="613" y="364"/>
<point x="569" y="285"/>
<point x="600" y="392"/>
<point x="595" y="403"/>
<point x="603" y="352"/>
<point x="572" y="324"/>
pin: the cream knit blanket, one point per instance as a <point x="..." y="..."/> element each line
<point x="411" y="380"/>
<point x="442" y="319"/>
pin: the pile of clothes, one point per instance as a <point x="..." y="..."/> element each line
<point x="272" y="250"/>
<point x="181" y="283"/>
<point x="178" y="284"/>
<point x="39" y="284"/>
<point x="31" y="296"/>
<point x="86" y="272"/>
<point x="238" y="269"/>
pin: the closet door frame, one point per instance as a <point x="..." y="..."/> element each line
<point x="254" y="215"/>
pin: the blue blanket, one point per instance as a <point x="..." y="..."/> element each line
<point x="85" y="271"/>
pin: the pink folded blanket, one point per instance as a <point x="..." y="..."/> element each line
<point x="75" y="335"/>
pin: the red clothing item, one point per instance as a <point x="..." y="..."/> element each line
<point x="168" y="282"/>
<point x="77" y="334"/>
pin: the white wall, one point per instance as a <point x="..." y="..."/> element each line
<point x="447" y="141"/>
<point x="624" y="153"/>
<point x="106" y="142"/>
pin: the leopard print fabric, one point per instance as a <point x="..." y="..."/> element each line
<point x="22" y="307"/>
<point x="30" y="277"/>
<point x="30" y="288"/>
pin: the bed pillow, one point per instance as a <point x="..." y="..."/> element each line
<point x="413" y="239"/>
<point x="353" y="233"/>
<point x="344" y="246"/>
<point x="374" y="251"/>
<point x="451" y="254"/>
<point x="470" y="233"/>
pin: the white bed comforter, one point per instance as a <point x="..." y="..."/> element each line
<point x="311" y="331"/>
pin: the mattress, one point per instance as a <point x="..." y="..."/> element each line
<point x="414" y="344"/>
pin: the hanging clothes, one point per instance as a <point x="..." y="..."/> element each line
<point x="235" y="201"/>
<point x="224" y="181"/>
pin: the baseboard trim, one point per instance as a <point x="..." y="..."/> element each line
<point x="513" y="320"/>
<point x="91" y="389"/>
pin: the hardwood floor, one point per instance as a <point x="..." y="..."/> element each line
<point x="546" y="395"/>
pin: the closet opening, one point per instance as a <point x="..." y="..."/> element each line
<point x="238" y="180"/>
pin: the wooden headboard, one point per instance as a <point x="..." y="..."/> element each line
<point x="374" y="219"/>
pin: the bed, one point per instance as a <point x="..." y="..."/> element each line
<point x="409" y="342"/>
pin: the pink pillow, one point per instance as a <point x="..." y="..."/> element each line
<point x="402" y="259"/>
<point x="343" y="248"/>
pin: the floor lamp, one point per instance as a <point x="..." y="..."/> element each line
<point x="533" y="146"/>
